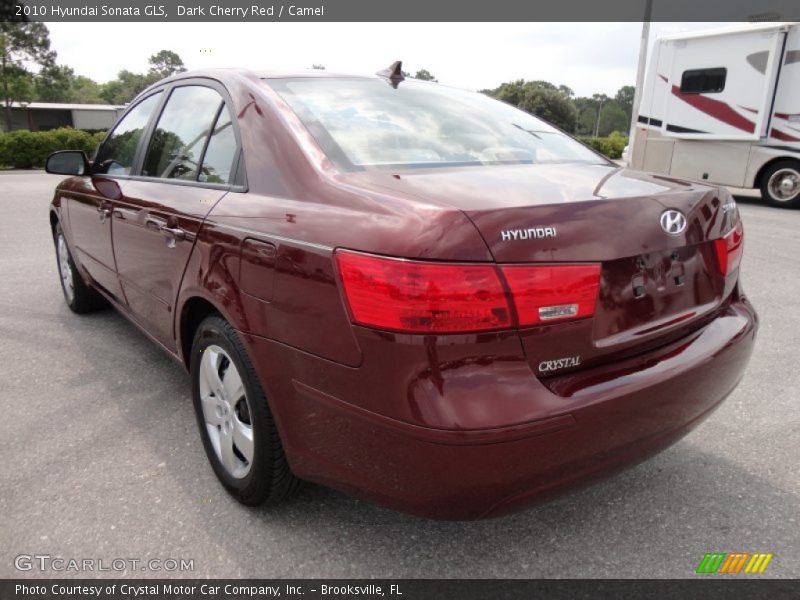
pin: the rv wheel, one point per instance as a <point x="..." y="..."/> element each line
<point x="780" y="184"/>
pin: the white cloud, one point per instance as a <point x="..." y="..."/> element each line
<point x="588" y="57"/>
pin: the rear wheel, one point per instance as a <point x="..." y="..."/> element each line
<point x="80" y="297"/>
<point x="780" y="184"/>
<point x="237" y="427"/>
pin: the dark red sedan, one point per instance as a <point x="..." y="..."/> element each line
<point x="409" y="292"/>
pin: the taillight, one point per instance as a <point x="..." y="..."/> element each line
<point x="427" y="297"/>
<point x="544" y="293"/>
<point x="729" y="250"/>
<point x="418" y="297"/>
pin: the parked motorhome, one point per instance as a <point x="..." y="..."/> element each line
<point x="724" y="107"/>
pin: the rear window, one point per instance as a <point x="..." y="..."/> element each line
<point x="367" y="123"/>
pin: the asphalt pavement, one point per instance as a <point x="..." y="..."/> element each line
<point x="100" y="457"/>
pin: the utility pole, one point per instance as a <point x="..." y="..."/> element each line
<point x="637" y="94"/>
<point x="597" y="122"/>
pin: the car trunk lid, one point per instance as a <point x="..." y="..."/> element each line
<point x="654" y="286"/>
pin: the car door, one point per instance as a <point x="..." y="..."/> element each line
<point x="90" y="210"/>
<point x="187" y="166"/>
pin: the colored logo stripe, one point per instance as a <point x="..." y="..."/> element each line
<point x="711" y="562"/>
<point x="732" y="563"/>
<point x="758" y="563"/>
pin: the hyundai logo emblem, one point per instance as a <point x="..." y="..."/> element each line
<point x="673" y="222"/>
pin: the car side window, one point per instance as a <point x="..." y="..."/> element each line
<point x="116" y="154"/>
<point x="176" y="146"/>
<point x="218" y="161"/>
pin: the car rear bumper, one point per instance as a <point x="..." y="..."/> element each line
<point x="597" y="421"/>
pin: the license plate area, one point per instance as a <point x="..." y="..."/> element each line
<point x="655" y="292"/>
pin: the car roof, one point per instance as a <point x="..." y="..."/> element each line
<point x="225" y="73"/>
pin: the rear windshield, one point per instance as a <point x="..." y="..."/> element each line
<point x="367" y="123"/>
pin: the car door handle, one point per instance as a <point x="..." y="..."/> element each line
<point x="124" y="214"/>
<point x="173" y="234"/>
<point x="104" y="212"/>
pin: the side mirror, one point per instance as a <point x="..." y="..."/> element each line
<point x="67" y="162"/>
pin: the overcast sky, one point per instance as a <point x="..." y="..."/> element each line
<point x="588" y="57"/>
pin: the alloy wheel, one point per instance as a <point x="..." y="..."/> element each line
<point x="226" y="411"/>
<point x="65" y="269"/>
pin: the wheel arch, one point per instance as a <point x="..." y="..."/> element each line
<point x="765" y="167"/>
<point x="193" y="310"/>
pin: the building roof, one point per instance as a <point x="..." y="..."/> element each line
<point x="65" y="106"/>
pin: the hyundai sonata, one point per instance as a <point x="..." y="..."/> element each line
<point x="405" y="291"/>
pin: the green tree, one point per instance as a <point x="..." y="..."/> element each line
<point x="124" y="87"/>
<point x="567" y="91"/>
<point x="165" y="63"/>
<point x="21" y="44"/>
<point x="54" y="84"/>
<point x="86" y="91"/>
<point x="542" y="99"/>
<point x="552" y="106"/>
<point x="543" y="84"/>
<point x="612" y="118"/>
<point x="511" y="92"/>
<point x="425" y="75"/>
<point x="624" y="97"/>
<point x="587" y="115"/>
<point x="20" y="87"/>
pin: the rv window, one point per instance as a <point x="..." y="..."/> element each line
<point x="703" y="81"/>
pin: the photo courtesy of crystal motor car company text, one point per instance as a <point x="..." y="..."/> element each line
<point x="418" y="294"/>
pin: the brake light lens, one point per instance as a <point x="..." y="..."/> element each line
<point x="729" y="250"/>
<point x="544" y="293"/>
<point x="427" y="297"/>
<point x="411" y="296"/>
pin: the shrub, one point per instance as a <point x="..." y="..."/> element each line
<point x="27" y="149"/>
<point x="612" y="145"/>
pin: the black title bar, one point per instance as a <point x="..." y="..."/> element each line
<point x="400" y="10"/>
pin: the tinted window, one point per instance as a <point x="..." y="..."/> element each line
<point x="176" y="146"/>
<point x="704" y="81"/>
<point x="221" y="151"/>
<point x="117" y="152"/>
<point x="367" y="123"/>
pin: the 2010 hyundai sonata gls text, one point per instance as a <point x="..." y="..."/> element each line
<point x="416" y="294"/>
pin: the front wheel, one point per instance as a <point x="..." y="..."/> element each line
<point x="237" y="427"/>
<point x="80" y="297"/>
<point x="780" y="184"/>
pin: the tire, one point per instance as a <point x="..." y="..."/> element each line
<point x="238" y="431"/>
<point x="780" y="184"/>
<point x="80" y="297"/>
